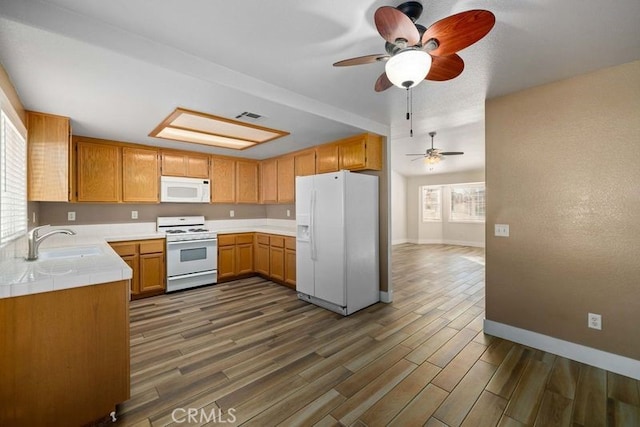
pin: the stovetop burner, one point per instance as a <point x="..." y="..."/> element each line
<point x="184" y="228"/>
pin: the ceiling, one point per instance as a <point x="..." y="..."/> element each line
<point x="118" y="68"/>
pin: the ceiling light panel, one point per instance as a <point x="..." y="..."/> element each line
<point x="201" y="128"/>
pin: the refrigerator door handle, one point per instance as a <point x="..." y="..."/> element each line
<point x="312" y="226"/>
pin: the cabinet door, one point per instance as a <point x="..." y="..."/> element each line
<point x="305" y="163"/>
<point x="226" y="261"/>
<point x="139" y="175"/>
<point x="286" y="183"/>
<point x="327" y="158"/>
<point x="173" y="164"/>
<point x="246" y="181"/>
<point x="290" y="268"/>
<point x="152" y="277"/>
<point x="48" y="157"/>
<point x="198" y="166"/>
<point x="261" y="261"/>
<point x="276" y="263"/>
<point x="269" y="181"/>
<point x="223" y="180"/>
<point x="244" y="258"/>
<point x="98" y="172"/>
<point x="353" y="154"/>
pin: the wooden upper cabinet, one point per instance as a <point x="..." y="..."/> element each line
<point x="223" y="180"/>
<point x="98" y="172"/>
<point x="176" y="163"/>
<point x="286" y="180"/>
<point x="246" y="181"/>
<point x="361" y="152"/>
<point x="48" y="157"/>
<point x="269" y="181"/>
<point x="305" y="163"/>
<point x="327" y="158"/>
<point x="139" y="175"/>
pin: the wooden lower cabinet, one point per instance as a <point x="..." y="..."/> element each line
<point x="147" y="260"/>
<point x="262" y="254"/>
<point x="290" y="262"/>
<point x="269" y="255"/>
<point x="235" y="255"/>
<point x="276" y="257"/>
<point x="65" y="355"/>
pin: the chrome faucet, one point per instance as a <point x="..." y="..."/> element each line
<point x="35" y="239"/>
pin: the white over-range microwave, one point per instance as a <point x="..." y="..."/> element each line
<point x="184" y="190"/>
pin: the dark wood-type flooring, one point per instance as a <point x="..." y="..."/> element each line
<point x="250" y="352"/>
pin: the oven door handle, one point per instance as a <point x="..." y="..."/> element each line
<point x="181" y="242"/>
<point x="182" y="276"/>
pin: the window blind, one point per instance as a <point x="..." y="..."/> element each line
<point x="13" y="181"/>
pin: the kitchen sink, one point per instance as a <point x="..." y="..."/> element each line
<point x="70" y="252"/>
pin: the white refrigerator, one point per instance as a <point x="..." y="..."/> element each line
<point x="337" y="240"/>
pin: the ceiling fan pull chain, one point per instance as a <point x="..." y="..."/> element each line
<point x="410" y="110"/>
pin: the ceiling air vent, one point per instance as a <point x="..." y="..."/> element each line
<point x="249" y="116"/>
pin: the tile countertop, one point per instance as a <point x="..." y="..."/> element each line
<point x="20" y="277"/>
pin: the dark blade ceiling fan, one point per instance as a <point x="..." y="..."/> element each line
<point x="434" y="155"/>
<point x="414" y="52"/>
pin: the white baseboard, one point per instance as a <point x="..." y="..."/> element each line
<point x="387" y="296"/>
<point x="590" y="356"/>
<point x="399" y="241"/>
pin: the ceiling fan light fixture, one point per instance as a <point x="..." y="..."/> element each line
<point x="408" y="68"/>
<point x="431" y="160"/>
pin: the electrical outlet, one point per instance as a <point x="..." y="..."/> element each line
<point x="134" y="214"/>
<point x="594" y="321"/>
<point x="71" y="216"/>
<point x="501" y="230"/>
<point x="232" y="213"/>
<point x="288" y="213"/>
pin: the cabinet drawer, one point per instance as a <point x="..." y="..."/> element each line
<point x="263" y="239"/>
<point x="125" y="249"/>
<point x="244" y="238"/>
<point x="151" y="246"/>
<point x="276" y="241"/>
<point x="290" y="243"/>
<point x="226" y="239"/>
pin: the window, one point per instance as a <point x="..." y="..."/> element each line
<point x="431" y="203"/>
<point x="468" y="203"/>
<point x="13" y="181"/>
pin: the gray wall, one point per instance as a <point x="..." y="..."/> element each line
<point x="96" y="213"/>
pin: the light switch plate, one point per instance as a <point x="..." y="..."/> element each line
<point x="134" y="214"/>
<point x="71" y="216"/>
<point x="288" y="213"/>
<point x="232" y="213"/>
<point x="501" y="230"/>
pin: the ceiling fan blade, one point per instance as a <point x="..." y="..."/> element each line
<point x="393" y="24"/>
<point x="383" y="83"/>
<point x="459" y="31"/>
<point x="445" y="68"/>
<point x="421" y="154"/>
<point x="417" y="158"/>
<point x="368" y="59"/>
<point x="451" y="153"/>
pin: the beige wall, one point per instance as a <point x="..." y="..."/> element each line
<point x="398" y="208"/>
<point x="563" y="170"/>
